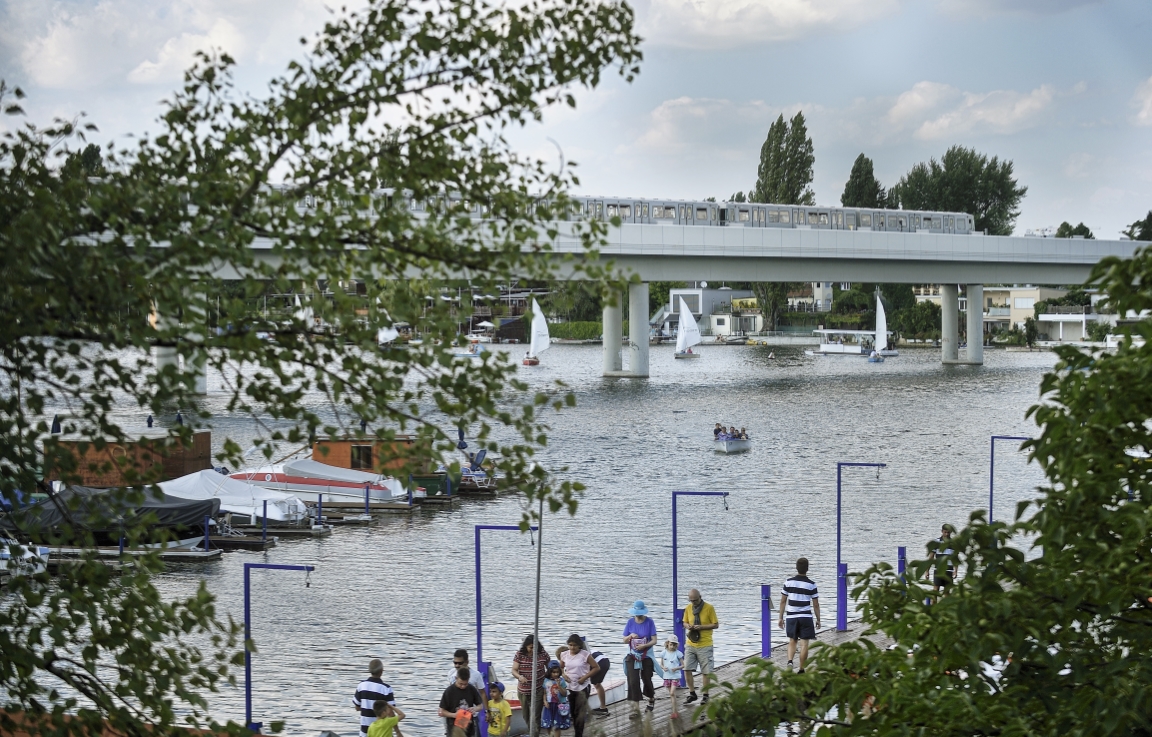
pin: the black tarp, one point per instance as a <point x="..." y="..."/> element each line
<point x="99" y="511"/>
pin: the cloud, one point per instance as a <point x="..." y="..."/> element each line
<point x="1143" y="100"/>
<point x="80" y="44"/>
<point x="717" y="127"/>
<point x="936" y="110"/>
<point x="723" y="24"/>
<point x="178" y="52"/>
<point x="1013" y="7"/>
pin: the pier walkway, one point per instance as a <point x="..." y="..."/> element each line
<point x="660" y="723"/>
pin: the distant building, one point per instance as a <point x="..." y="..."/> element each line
<point x="1006" y="307"/>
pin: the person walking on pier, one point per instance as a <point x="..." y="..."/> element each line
<point x="640" y="636"/>
<point x="523" y="664"/>
<point x="800" y="605"/>
<point x="460" y="660"/>
<point x="369" y="692"/>
<point x="672" y="664"/>
<point x="940" y="550"/>
<point x="699" y="621"/>
<point x="387" y="722"/>
<point x="459" y="705"/>
<point x="602" y="666"/>
<point x="579" y="669"/>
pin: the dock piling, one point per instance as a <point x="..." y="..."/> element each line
<point x="264" y="526"/>
<point x="842" y="597"/>
<point x="901" y="560"/>
<point x="207" y="536"/>
<point x="765" y="621"/>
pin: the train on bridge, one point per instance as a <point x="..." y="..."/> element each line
<point x="747" y="215"/>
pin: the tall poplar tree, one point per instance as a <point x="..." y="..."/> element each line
<point x="862" y="188"/>
<point x="786" y="158"/>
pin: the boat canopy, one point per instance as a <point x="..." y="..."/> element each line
<point x="100" y="510"/>
<point x="236" y="496"/>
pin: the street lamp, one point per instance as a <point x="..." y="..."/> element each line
<point x="254" y="726"/>
<point x="479" y="635"/>
<point x="677" y="613"/>
<point x="842" y="568"/>
<point x="992" y="468"/>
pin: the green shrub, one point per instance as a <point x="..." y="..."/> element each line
<point x="580" y="330"/>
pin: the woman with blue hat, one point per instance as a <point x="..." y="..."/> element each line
<point x="640" y="636"/>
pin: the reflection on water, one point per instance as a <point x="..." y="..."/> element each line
<point x="403" y="590"/>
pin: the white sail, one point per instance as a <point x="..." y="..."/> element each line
<point x="881" y="326"/>
<point x="689" y="333"/>
<point x="541" y="340"/>
<point x="303" y="314"/>
<point x="387" y="335"/>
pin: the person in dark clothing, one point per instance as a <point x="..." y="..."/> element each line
<point x="459" y="705"/>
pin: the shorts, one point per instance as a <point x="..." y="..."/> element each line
<point x="943" y="580"/>
<point x="801" y="628"/>
<point x="670" y="682"/>
<point x="604" y="664"/>
<point x="699" y="657"/>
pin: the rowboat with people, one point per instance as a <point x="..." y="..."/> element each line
<point x="730" y="440"/>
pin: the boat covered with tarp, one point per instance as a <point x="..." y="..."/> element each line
<point x="237" y="497"/>
<point x="106" y="512"/>
<point x="308" y="479"/>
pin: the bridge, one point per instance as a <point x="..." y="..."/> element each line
<point x="799" y="253"/>
<point x="736" y="251"/>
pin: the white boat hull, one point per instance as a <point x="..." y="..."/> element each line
<point x="311" y="480"/>
<point x="687" y="355"/>
<point x="731" y="446"/>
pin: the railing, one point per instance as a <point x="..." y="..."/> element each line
<point x="1072" y="310"/>
<point x="999" y="311"/>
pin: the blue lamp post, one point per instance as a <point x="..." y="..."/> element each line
<point x="992" y="468"/>
<point x="255" y="726"/>
<point x="842" y="568"/>
<point x="677" y="612"/>
<point x="479" y="632"/>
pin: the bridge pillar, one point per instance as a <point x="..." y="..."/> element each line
<point x="613" y="327"/>
<point x="949" y="323"/>
<point x="638" y="330"/>
<point x="975" y="324"/>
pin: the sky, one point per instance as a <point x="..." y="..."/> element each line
<point x="1062" y="88"/>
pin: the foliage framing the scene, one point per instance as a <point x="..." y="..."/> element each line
<point x="1047" y="630"/>
<point x="307" y="191"/>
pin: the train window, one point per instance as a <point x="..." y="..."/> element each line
<point x="642" y="210"/>
<point x="744" y="216"/>
<point x="625" y="211"/>
<point x="701" y="213"/>
<point x="613" y="211"/>
<point x="891" y="222"/>
<point x="813" y="218"/>
<point x="866" y="220"/>
<point x="948" y="224"/>
<point x="823" y="218"/>
<point x="901" y="222"/>
<point x="773" y="216"/>
<point x="683" y="212"/>
<point x="785" y="216"/>
<point x="928" y="222"/>
<point x="850" y="220"/>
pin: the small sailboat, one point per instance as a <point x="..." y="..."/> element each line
<point x="689" y="333"/>
<point x="882" y="348"/>
<point x="304" y="314"/>
<point x="541" y="339"/>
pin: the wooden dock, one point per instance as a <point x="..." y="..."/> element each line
<point x="173" y="554"/>
<point x="242" y="542"/>
<point x="373" y="507"/>
<point x="305" y="531"/>
<point x="659" y="723"/>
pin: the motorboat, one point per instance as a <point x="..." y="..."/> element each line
<point x="728" y="445"/>
<point x="237" y="497"/>
<point x="22" y="560"/>
<point x="687" y="334"/>
<point x="310" y="480"/>
<point x="105" y="514"/>
<point x="474" y="351"/>
<point x="541" y="339"/>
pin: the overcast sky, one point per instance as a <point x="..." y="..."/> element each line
<point x="1063" y="88"/>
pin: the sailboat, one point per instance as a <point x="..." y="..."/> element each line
<point x="882" y="348"/>
<point x="304" y="314"/>
<point x="541" y="340"/>
<point x="689" y="333"/>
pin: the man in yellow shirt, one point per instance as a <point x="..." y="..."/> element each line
<point x="499" y="712"/>
<point x="699" y="621"/>
<point x="387" y="722"/>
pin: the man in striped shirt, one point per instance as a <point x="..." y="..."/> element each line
<point x="799" y="605"/>
<point x="368" y="692"/>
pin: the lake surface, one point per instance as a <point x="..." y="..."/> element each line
<point x="403" y="590"/>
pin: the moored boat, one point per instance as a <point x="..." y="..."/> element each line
<point x="309" y="480"/>
<point x="237" y="497"/>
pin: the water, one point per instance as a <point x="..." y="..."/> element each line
<point x="403" y="589"/>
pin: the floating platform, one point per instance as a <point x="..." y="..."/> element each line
<point x="180" y="554"/>
<point x="313" y="531"/>
<point x="439" y="500"/>
<point x="242" y="542"/>
<point x="373" y="507"/>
